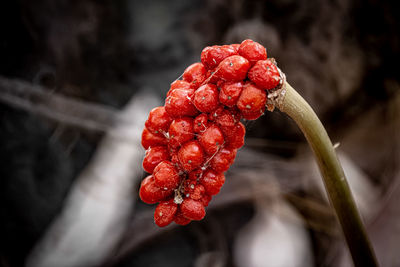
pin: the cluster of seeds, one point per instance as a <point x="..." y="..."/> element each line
<point x="193" y="139"/>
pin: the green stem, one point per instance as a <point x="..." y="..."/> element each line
<point x="335" y="182"/>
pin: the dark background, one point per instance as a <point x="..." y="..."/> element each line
<point x="341" y="55"/>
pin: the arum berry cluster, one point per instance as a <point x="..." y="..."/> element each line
<point x="193" y="139"/>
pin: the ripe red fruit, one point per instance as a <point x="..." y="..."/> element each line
<point x="150" y="193"/>
<point x="191" y="155"/>
<point x="233" y="68"/>
<point x="234" y="136"/>
<point x="180" y="219"/>
<point x="211" y="77"/>
<point x="151" y="140"/>
<point x="180" y="131"/>
<point x="252" y="99"/>
<point x="193" y="190"/>
<point x="195" y="175"/>
<point x="211" y="56"/>
<point x="206" y="98"/>
<point x="265" y="74"/>
<point x="211" y="139"/>
<point x="200" y="123"/>
<point x="179" y="103"/>
<point x="224" y="118"/>
<point x="212" y="182"/>
<point x="252" y="115"/>
<point x="223" y="160"/>
<point x="153" y="156"/>
<point x="230" y="92"/>
<point x="166" y="175"/>
<point x="192" y="209"/>
<point x="165" y="212"/>
<point x="205" y="200"/>
<point x="195" y="74"/>
<point x="178" y="84"/>
<point x="252" y="51"/>
<point x="158" y="121"/>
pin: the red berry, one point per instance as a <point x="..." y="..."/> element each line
<point x="200" y="123"/>
<point x="223" y="160"/>
<point x="193" y="190"/>
<point x="224" y="118"/>
<point x="178" y="84"/>
<point x="212" y="182"/>
<point x="234" y="136"/>
<point x="191" y="155"/>
<point x="158" y="121"/>
<point x="150" y="193"/>
<point x="180" y="219"/>
<point x="211" y="77"/>
<point x="206" y="98"/>
<point x="179" y="103"/>
<point x="252" y="99"/>
<point x="195" y="74"/>
<point x="195" y="175"/>
<point x="154" y="155"/>
<point x="192" y="209"/>
<point x="211" y="56"/>
<point x="233" y="68"/>
<point x="166" y="176"/>
<point x="252" y="51"/>
<point x="211" y="139"/>
<point x="235" y="47"/>
<point x="251" y="116"/>
<point x="151" y="140"/>
<point x="180" y="131"/>
<point x="165" y="213"/>
<point x="265" y="74"/>
<point x="230" y="92"/>
<point x="205" y="200"/>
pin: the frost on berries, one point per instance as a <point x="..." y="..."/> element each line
<point x="193" y="139"/>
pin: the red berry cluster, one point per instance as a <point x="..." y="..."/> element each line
<point x="193" y="139"/>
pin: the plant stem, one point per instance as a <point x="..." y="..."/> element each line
<point x="334" y="179"/>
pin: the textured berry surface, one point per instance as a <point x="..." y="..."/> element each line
<point x="193" y="139"/>
<point x="265" y="74"/>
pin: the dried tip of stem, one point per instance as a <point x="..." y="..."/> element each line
<point x="276" y="96"/>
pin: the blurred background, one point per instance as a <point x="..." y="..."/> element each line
<point x="77" y="79"/>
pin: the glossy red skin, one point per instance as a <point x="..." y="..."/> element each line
<point x="158" y="121"/>
<point x="211" y="56"/>
<point x="195" y="74"/>
<point x="251" y="116"/>
<point x="211" y="77"/>
<point x="150" y="193"/>
<point x="151" y="140"/>
<point x="252" y="51"/>
<point x="180" y="219"/>
<point x="252" y="99"/>
<point x="153" y="156"/>
<point x="264" y="74"/>
<point x="192" y="209"/>
<point x="179" y="103"/>
<point x="223" y="160"/>
<point x="178" y="84"/>
<point x="195" y="175"/>
<point x="212" y="182"/>
<point x="233" y="68"/>
<point x="180" y="131"/>
<point x="200" y="123"/>
<point x="230" y="92"/>
<point x="206" y="98"/>
<point x="191" y="155"/>
<point x="234" y="136"/>
<point x="193" y="190"/>
<point x="165" y="212"/>
<point x="211" y="139"/>
<point x="166" y="176"/>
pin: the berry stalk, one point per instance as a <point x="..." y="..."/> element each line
<point x="334" y="178"/>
